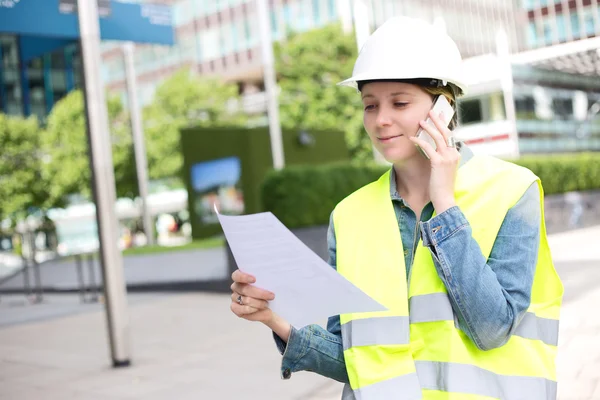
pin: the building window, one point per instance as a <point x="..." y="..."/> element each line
<point x="235" y="43"/>
<point x="529" y="4"/>
<point x="575" y="25"/>
<point x="274" y="25"/>
<point x="37" y="91"/>
<point x="302" y="17"/>
<point x="561" y="28"/>
<point x="525" y="107"/>
<point x="12" y="99"/>
<point x="562" y="108"/>
<point x="187" y="47"/>
<point x="548" y="32"/>
<point x="316" y="12"/>
<point x="531" y="35"/>
<point x="588" y="17"/>
<point x="287" y="16"/>
<point x="58" y="75"/>
<point x="470" y="111"/>
<point x="210" y="44"/>
<point x="332" y="10"/>
<point x="247" y="33"/>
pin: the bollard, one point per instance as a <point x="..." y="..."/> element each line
<point x="39" y="291"/>
<point x="80" y="277"/>
<point x="93" y="288"/>
<point x="36" y="270"/>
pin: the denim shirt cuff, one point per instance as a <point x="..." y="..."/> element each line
<point x="281" y="345"/>
<point x="442" y="226"/>
<point x="292" y="351"/>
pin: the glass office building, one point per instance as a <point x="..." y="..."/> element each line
<point x="34" y="86"/>
<point x="558" y="21"/>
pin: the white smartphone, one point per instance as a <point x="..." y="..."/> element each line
<point x="441" y="105"/>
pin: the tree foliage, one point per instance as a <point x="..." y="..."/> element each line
<point x="309" y="65"/>
<point x="181" y="100"/>
<point x="65" y="146"/>
<point x="21" y="186"/>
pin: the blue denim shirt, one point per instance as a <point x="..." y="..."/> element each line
<point x="489" y="297"/>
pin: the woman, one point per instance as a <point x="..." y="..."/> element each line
<point x="453" y="244"/>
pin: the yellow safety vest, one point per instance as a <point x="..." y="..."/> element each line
<point x="415" y="350"/>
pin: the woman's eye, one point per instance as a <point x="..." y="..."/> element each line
<point x="369" y="107"/>
<point x="398" y="104"/>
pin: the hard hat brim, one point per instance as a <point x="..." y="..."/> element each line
<point x="353" y="82"/>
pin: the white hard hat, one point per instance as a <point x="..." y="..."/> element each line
<point x="408" y="48"/>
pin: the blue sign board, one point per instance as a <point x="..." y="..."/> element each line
<point x="140" y="23"/>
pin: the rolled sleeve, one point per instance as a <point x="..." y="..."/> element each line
<point x="296" y="347"/>
<point x="442" y="226"/>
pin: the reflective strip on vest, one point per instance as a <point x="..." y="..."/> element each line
<point x="456" y="378"/>
<point x="466" y="378"/>
<point x="436" y="307"/>
<point x="376" y="331"/>
<point x="405" y="387"/>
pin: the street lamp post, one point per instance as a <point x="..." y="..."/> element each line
<point x="139" y="147"/>
<point x="266" y="45"/>
<point x="103" y="184"/>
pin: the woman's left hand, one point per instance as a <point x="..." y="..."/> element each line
<point x="444" y="164"/>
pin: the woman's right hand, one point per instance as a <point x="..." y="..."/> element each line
<point x="254" y="301"/>
<point x="254" y="304"/>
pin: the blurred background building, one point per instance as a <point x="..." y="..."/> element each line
<point x="553" y="92"/>
<point x="222" y="38"/>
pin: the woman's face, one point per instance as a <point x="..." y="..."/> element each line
<point x="392" y="111"/>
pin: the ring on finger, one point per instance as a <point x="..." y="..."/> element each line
<point x="239" y="300"/>
<point x="451" y="142"/>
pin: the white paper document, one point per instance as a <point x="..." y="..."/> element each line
<point x="307" y="290"/>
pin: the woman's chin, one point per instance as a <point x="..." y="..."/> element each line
<point x="398" y="154"/>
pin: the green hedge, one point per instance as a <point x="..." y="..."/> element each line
<point x="565" y="172"/>
<point x="305" y="195"/>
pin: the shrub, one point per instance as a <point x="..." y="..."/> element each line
<point x="303" y="196"/>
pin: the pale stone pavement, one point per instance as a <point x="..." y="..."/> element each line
<point x="189" y="346"/>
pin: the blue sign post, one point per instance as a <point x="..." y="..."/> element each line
<point x="140" y="23"/>
<point x="45" y="26"/>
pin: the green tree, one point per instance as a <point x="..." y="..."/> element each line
<point x="66" y="157"/>
<point x="309" y="65"/>
<point x="181" y="100"/>
<point x="21" y="186"/>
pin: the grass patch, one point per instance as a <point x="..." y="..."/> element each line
<point x="209" y="243"/>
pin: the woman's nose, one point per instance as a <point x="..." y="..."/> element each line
<point x="383" y="117"/>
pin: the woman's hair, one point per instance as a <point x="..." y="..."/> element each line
<point x="433" y="87"/>
<point x="449" y="92"/>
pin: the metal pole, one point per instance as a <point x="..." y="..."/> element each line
<point x="80" y="277"/>
<point x="266" y="46"/>
<point x="36" y="271"/>
<point x="507" y="83"/>
<point x="139" y="146"/>
<point x="93" y="288"/>
<point x="25" y="257"/>
<point x="103" y="185"/>
<point x="37" y="283"/>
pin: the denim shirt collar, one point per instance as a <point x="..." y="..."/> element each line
<point x="465" y="155"/>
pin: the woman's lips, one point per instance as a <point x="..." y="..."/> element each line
<point x="388" y="139"/>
